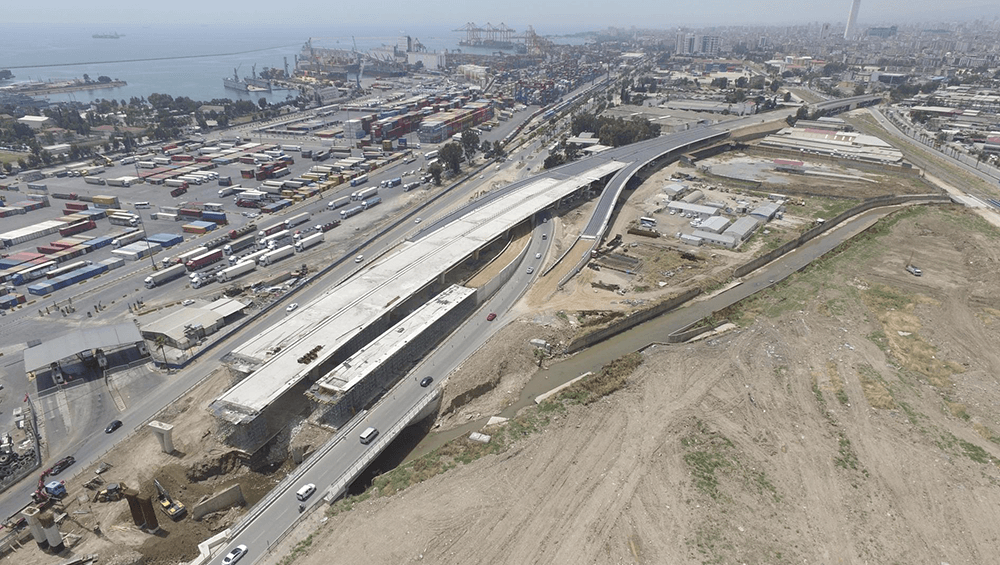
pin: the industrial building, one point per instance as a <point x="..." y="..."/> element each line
<point x="183" y="328"/>
<point x="715" y="224"/>
<point x="742" y="228"/>
<point x="713" y="238"/>
<point x="842" y="144"/>
<point x="698" y="210"/>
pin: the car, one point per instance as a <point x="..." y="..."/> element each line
<point x="531" y="270"/>
<point x="417" y="221"/>
<point x="359" y="258"/>
<point x="426" y="381"/>
<point x="61" y="465"/>
<point x="538" y="255"/>
<point x="187" y="302"/>
<point x="492" y="316"/>
<point x="292" y="307"/>
<point x="235" y="555"/>
<point x="114" y="425"/>
<point x="305" y="492"/>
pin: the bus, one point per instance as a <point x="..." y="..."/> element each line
<point x="647" y="221"/>
<point x="430" y="155"/>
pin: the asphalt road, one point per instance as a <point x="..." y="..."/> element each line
<point x="347" y="450"/>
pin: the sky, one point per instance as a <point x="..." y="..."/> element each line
<point x="555" y="15"/>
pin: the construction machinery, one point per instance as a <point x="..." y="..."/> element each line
<point x="48" y="492"/>
<point x="113" y="492"/>
<point x="173" y="508"/>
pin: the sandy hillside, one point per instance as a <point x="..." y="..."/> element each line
<point x="851" y="419"/>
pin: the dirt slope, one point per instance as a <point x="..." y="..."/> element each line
<point x="851" y="420"/>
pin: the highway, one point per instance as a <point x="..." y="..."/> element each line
<point x="347" y="448"/>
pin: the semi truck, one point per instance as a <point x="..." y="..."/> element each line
<point x="206" y="258"/>
<point x="359" y="180"/>
<point x="93" y="180"/>
<point x="128" y="238"/>
<point x="307" y="242"/>
<point x="338" y="202"/>
<point x="274" y="241"/>
<point x="164" y="276"/>
<point x="352" y="211"/>
<point x="272" y="229"/>
<point x="366" y="193"/>
<point x="297" y="219"/>
<point x="242" y="231"/>
<point x="226" y="275"/>
<point x="124" y="220"/>
<point x="239" y="245"/>
<point x="273" y="257"/>
<point x="372" y="202"/>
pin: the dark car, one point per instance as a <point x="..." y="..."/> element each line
<point x="426" y="381"/>
<point x="491" y="317"/>
<point x="114" y="425"/>
<point x="61" y="465"/>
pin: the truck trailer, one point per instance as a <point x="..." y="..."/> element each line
<point x="276" y="255"/>
<point x="164" y="276"/>
<point x="307" y="242"/>
<point x="239" y="245"/>
<point x="226" y="275"/>
<point x="297" y="219"/>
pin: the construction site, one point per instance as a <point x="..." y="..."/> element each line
<point x="894" y="343"/>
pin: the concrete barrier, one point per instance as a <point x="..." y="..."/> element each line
<point x="229" y="497"/>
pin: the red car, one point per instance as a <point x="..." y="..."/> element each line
<point x="491" y="317"/>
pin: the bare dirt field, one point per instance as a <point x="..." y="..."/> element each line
<point x="852" y="418"/>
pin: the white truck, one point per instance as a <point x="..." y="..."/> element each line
<point x="307" y="242"/>
<point x="124" y="220"/>
<point x="273" y="257"/>
<point x="164" y="276"/>
<point x="226" y="275"/>
<point x="297" y="219"/>
<point x="338" y="202"/>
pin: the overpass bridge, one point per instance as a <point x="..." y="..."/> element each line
<point x="839" y="105"/>
<point x="314" y="340"/>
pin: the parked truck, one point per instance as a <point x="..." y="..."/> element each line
<point x="125" y="239"/>
<point x="204" y="259"/>
<point x="372" y="202"/>
<point x="129" y="220"/>
<point x="352" y="211"/>
<point x="276" y="255"/>
<point x="226" y="275"/>
<point x="239" y="245"/>
<point x="272" y="229"/>
<point x="367" y="193"/>
<point x="242" y="231"/>
<point x="307" y="242"/>
<point x="297" y="219"/>
<point x="338" y="202"/>
<point x="164" y="276"/>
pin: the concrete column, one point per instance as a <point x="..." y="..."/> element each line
<point x="52" y="535"/>
<point x="37" y="532"/>
<point x="164" y="433"/>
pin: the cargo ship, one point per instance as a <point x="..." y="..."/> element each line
<point x="113" y="35"/>
<point x="248" y="84"/>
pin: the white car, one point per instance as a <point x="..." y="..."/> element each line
<point x="187" y="302"/>
<point x="417" y="221"/>
<point x="292" y="307"/>
<point x="233" y="556"/>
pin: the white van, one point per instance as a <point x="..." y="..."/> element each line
<point x="359" y="258"/>
<point x="368" y="435"/>
<point x="305" y="492"/>
<point x="141" y="205"/>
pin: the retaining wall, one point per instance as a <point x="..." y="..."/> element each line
<point x="229" y="497"/>
<point x="632" y="320"/>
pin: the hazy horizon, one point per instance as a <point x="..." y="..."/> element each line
<point x="556" y="16"/>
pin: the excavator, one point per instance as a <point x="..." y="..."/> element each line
<point x="173" y="508"/>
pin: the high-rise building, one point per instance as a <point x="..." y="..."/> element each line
<point x="852" y="20"/>
<point x="710" y="44"/>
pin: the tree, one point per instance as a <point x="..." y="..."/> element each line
<point x="553" y="160"/>
<point x="470" y="143"/>
<point x="86" y="77"/>
<point x="859" y="90"/>
<point x="451" y="156"/>
<point x="486" y="148"/>
<point x="787" y="97"/>
<point x="104" y="79"/>
<point x="497" y="149"/>
<point x="435" y="171"/>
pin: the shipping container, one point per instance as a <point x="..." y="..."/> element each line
<point x="166" y="239"/>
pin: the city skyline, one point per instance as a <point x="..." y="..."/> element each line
<point x="559" y="15"/>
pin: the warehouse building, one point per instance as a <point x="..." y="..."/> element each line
<point x="742" y="228"/>
<point x="701" y="212"/>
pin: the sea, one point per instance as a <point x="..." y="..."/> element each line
<point x="183" y="60"/>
